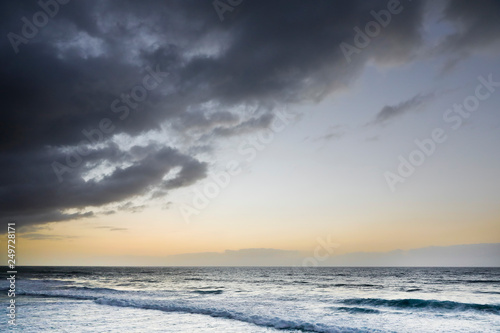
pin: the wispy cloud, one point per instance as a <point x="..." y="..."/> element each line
<point x="130" y="207"/>
<point x="390" y="112"/>
<point x="335" y="132"/>
<point x="335" y="135"/>
<point x="39" y="236"/>
<point x="111" y="228"/>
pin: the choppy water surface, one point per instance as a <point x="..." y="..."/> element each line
<point x="196" y="299"/>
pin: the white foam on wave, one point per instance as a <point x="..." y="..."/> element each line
<point x="273" y="322"/>
<point x="140" y="300"/>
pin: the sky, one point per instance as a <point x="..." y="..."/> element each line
<point x="137" y="132"/>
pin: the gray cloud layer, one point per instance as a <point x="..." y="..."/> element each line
<point x="65" y="79"/>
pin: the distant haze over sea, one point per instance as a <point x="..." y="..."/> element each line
<point x="471" y="255"/>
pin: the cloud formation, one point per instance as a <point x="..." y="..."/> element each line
<point x="94" y="60"/>
<point x="476" y="23"/>
<point x="389" y="112"/>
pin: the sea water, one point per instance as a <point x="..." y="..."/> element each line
<point x="254" y="299"/>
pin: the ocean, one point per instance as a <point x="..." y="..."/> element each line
<point x="254" y="299"/>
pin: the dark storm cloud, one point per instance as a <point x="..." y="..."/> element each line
<point x="250" y="125"/>
<point x="477" y="27"/>
<point x="199" y="121"/>
<point x="67" y="78"/>
<point x="478" y="24"/>
<point x="28" y="217"/>
<point x="30" y="194"/>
